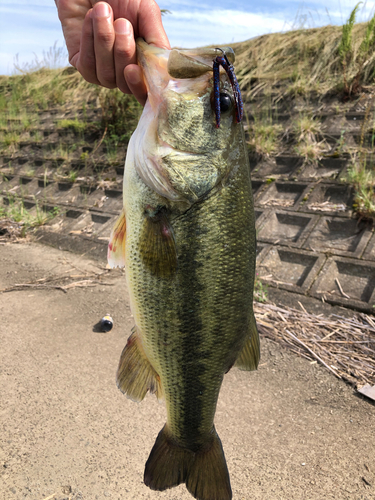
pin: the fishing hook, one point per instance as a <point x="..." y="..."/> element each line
<point x="224" y="62"/>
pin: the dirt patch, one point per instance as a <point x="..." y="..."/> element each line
<point x="290" y="430"/>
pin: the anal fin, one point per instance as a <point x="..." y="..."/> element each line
<point x="135" y="375"/>
<point x="116" y="245"/>
<point x="249" y="357"/>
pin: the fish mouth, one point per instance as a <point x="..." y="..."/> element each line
<point x="160" y="66"/>
<point x="181" y="63"/>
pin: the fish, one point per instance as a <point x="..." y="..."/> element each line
<point x="186" y="237"/>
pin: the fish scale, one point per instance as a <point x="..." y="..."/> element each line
<point x="190" y="263"/>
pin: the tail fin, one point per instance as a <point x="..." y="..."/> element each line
<point x="208" y="479"/>
<point x="205" y="472"/>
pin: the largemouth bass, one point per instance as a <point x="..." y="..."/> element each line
<point x="187" y="239"/>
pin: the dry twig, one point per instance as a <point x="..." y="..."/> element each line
<point x="345" y="347"/>
<point x="63" y="281"/>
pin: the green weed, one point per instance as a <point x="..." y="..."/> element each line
<point x="362" y="176"/>
<point x="341" y="145"/>
<point x="84" y="156"/>
<point x="62" y="152"/>
<point x="72" y="175"/>
<point x="10" y="138"/>
<point x="36" y="135"/>
<point x="260" y="290"/>
<point x="78" y="127"/>
<point x="345" y="48"/>
<point x="17" y="212"/>
<point x="359" y="59"/>
<point x="368" y="41"/>
<point x="3" y="123"/>
<point x="120" y="115"/>
<point x="363" y="180"/>
<point x="112" y="145"/>
<point x="84" y="111"/>
<point x="3" y="103"/>
<point x="264" y="138"/>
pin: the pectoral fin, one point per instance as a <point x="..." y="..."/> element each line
<point x="157" y="244"/>
<point x="116" y="245"/>
<point x="248" y="358"/>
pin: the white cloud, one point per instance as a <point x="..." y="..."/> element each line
<point x="337" y="12"/>
<point x="27" y="29"/>
<point x="187" y="28"/>
<point x="230" y="19"/>
<point x="33" y="3"/>
<point x="176" y="5"/>
<point x="29" y="14"/>
<point x="31" y="26"/>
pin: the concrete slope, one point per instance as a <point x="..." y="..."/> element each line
<point x="290" y="430"/>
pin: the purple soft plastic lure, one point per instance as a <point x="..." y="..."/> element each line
<point x="223" y="61"/>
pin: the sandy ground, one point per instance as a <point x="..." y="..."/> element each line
<point x="289" y="431"/>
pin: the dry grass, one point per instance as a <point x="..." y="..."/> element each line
<point x="363" y="180"/>
<point x="66" y="281"/>
<point x="306" y="59"/>
<point x="264" y="139"/>
<point x="345" y="347"/>
<point x="307" y="128"/>
<point x="28" y="93"/>
<point x="361" y="173"/>
<point x="311" y="151"/>
<point x="307" y="131"/>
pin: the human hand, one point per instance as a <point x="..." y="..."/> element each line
<point x="100" y="37"/>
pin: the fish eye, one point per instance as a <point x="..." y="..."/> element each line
<point x="226" y="102"/>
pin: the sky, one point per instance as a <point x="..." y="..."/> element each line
<point x="28" y="28"/>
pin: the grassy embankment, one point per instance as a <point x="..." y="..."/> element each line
<point x="313" y="66"/>
<point x="26" y="100"/>
<point x="330" y="68"/>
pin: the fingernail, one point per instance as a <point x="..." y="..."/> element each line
<point x="122" y="27"/>
<point x="101" y="10"/>
<point x="133" y="77"/>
